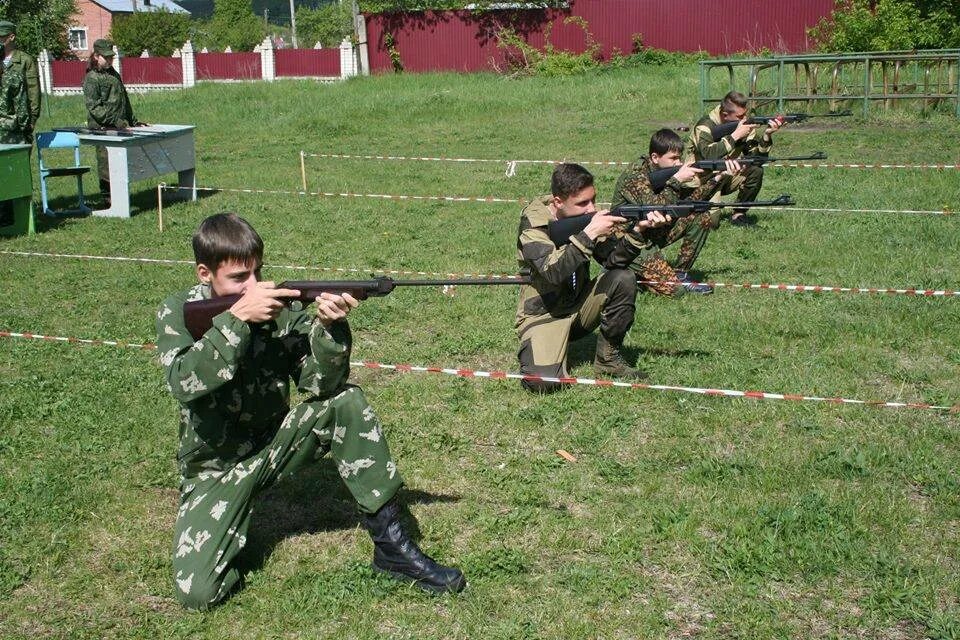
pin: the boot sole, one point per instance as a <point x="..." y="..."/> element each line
<point x="455" y="587"/>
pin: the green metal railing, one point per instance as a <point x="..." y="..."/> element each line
<point x="852" y="80"/>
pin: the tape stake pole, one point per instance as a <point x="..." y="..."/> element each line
<point x="160" y="205"/>
<point x="303" y="171"/>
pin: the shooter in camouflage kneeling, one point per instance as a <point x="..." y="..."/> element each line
<point x="238" y="434"/>
<point x="562" y="303"/>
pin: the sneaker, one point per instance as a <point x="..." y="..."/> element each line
<point x="692" y="285"/>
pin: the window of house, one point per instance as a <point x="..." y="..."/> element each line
<point x="78" y="38"/>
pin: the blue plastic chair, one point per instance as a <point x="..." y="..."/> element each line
<point x="61" y="140"/>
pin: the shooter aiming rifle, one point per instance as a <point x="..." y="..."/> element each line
<point x="562" y="229"/>
<point x="726" y="128"/>
<point x="198" y="315"/>
<point x="659" y="177"/>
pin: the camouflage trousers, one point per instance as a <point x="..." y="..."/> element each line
<point x="747" y="185"/>
<point x="544" y="339"/>
<point x="215" y="506"/>
<point x="652" y="266"/>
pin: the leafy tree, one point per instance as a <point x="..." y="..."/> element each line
<point x="887" y="25"/>
<point x="328" y="25"/>
<point x="41" y="24"/>
<point x="159" y="32"/>
<point x="235" y="25"/>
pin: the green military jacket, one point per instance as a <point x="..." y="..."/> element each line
<point x="701" y="146"/>
<point x="107" y="102"/>
<point x="633" y="187"/>
<point x="233" y="383"/>
<point x="14" y="110"/>
<point x="560" y="276"/>
<point x="27" y="66"/>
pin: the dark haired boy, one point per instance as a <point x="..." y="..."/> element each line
<point x="562" y="303"/>
<point x="746" y="139"/>
<point x="634" y="187"/>
<point x="238" y="434"/>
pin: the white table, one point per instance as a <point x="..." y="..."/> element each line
<point x="154" y="150"/>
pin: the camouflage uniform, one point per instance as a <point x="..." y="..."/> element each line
<point x="14" y="109"/>
<point x="107" y="106"/>
<point x="238" y="434"/>
<point x="633" y="187"/>
<point x="25" y="64"/>
<point x="702" y="147"/>
<point x="562" y="303"/>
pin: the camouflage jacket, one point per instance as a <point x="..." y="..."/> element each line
<point x="701" y="146"/>
<point x="27" y="66"/>
<point x="233" y="383"/>
<point x="633" y="187"/>
<point x="106" y="100"/>
<point x="14" y="110"/>
<point x="560" y="276"/>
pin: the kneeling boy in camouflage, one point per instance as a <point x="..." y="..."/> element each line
<point x="238" y="434"/>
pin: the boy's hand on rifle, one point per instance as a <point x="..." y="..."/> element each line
<point x="652" y="221"/>
<point x="602" y="223"/>
<point x="743" y="130"/>
<point x="733" y="168"/>
<point x="332" y="307"/>
<point x="773" y="125"/>
<point x="686" y="172"/>
<point x="261" y="302"/>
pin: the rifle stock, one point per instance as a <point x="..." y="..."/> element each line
<point x="562" y="229"/>
<point x="198" y="315"/>
<point x="660" y="177"/>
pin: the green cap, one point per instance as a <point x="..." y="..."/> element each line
<point x="7" y="27"/>
<point x="104" y="47"/>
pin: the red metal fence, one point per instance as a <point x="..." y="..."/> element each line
<point x="228" y="66"/>
<point x="152" y="71"/>
<point x="307" y="63"/>
<point x="68" y="73"/>
<point x="463" y="41"/>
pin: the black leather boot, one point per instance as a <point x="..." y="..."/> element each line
<point x="395" y="554"/>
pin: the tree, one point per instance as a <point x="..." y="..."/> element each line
<point x="41" y="24"/>
<point x="888" y="25"/>
<point x="328" y="25"/>
<point x="235" y="25"/>
<point x="159" y="32"/>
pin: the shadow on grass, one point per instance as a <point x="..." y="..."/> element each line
<point x="314" y="500"/>
<point x="583" y="350"/>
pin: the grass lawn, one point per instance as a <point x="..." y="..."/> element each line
<point x="684" y="515"/>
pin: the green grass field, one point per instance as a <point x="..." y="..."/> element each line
<point x="684" y="515"/>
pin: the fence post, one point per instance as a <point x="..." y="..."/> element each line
<point x="116" y="60"/>
<point x="188" y="64"/>
<point x="348" y="60"/>
<point x="268" y="69"/>
<point x="46" y="72"/>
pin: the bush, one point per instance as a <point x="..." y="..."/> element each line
<point x="892" y="25"/>
<point x="523" y="59"/>
<point x="234" y="25"/>
<point x="159" y="32"/>
<point x="328" y="25"/>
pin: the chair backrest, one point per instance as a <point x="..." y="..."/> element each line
<point x="58" y="140"/>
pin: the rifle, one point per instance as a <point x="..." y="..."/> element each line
<point x="198" y="315"/>
<point x="104" y="131"/>
<point x="726" y="128"/>
<point x="562" y="229"/>
<point x="659" y="177"/>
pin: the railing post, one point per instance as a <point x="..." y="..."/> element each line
<point x="188" y="63"/>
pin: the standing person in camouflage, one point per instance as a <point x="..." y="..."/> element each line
<point x="108" y="105"/>
<point x="238" y="434"/>
<point x="14" y="109"/>
<point x="24" y="64"/>
<point x="746" y="139"/>
<point x="634" y="187"/>
<point x="562" y="303"/>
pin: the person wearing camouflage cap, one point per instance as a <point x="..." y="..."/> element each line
<point x="108" y="105"/>
<point x="22" y="69"/>
<point x="238" y="433"/>
<point x="562" y="303"/>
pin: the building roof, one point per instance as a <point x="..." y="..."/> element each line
<point x="128" y="6"/>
